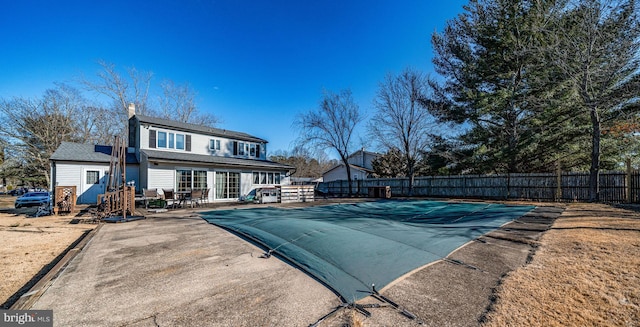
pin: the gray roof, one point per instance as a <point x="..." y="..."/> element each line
<point x="198" y="129"/>
<point x="207" y="159"/>
<point x="366" y="170"/>
<point x="69" y="151"/>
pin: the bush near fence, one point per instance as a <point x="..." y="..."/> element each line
<point x="615" y="186"/>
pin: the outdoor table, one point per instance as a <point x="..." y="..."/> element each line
<point x="182" y="197"/>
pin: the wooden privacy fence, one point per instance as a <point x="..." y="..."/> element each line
<point x="296" y="193"/>
<point x="615" y="186"/>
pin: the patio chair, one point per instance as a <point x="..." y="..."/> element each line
<point x="205" y="195"/>
<point x="195" y="197"/>
<point x="170" y="197"/>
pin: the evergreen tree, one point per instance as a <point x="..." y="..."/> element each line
<point x="596" y="48"/>
<point x="497" y="81"/>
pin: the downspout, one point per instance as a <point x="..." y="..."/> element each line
<point x="52" y="171"/>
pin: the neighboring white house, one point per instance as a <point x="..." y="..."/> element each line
<point x="173" y="155"/>
<point x="361" y="167"/>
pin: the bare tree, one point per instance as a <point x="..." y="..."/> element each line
<point x="121" y="90"/>
<point x="331" y="126"/>
<point x="88" y="118"/>
<point x="35" y="128"/>
<point x="178" y="102"/>
<point x="400" y="121"/>
<point x="306" y="163"/>
<point x="133" y="88"/>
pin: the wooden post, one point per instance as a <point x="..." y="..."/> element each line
<point x="558" y="182"/>
<point x="627" y="181"/>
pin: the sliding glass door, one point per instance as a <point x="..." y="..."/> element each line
<point x="227" y="185"/>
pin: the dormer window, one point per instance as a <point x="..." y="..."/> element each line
<point x="167" y="140"/>
<point x="241" y="149"/>
<point x="180" y="141"/>
<point x="214" y="145"/>
<point x="162" y="139"/>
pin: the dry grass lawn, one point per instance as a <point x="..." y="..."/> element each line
<point x="585" y="273"/>
<point x="29" y="244"/>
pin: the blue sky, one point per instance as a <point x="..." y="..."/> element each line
<point x="255" y="64"/>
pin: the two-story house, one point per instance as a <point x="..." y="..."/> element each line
<point x="173" y="155"/>
<point x="360" y="163"/>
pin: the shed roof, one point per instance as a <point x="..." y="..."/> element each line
<point x="198" y="129"/>
<point x="71" y="151"/>
<point x="356" y="167"/>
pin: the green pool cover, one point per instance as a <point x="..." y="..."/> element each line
<point x="349" y="247"/>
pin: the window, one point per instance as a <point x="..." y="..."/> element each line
<point x="252" y="150"/>
<point x="266" y="178"/>
<point x="93" y="177"/>
<point x="180" y="141"/>
<point x="234" y="185"/>
<point x="191" y="179"/>
<point x="214" y="145"/>
<point x="162" y="139"/>
<point x="183" y="180"/>
<point x="199" y="179"/>
<point x="241" y="149"/>
<point x="227" y="185"/>
<point x="159" y="139"/>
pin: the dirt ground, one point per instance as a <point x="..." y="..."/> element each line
<point x="30" y="244"/>
<point x="584" y="272"/>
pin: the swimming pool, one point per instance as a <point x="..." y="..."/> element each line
<point x="350" y="247"/>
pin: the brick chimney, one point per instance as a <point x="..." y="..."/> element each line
<point x="132" y="110"/>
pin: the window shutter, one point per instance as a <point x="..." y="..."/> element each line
<point x="187" y="142"/>
<point x="235" y="148"/>
<point x="152" y="138"/>
<point x="257" y="150"/>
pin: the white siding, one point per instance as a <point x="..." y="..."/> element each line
<point x="68" y="175"/>
<point x="71" y="174"/>
<point x="161" y="177"/>
<point x="340" y="173"/>
<point x="200" y="144"/>
<point x="211" y="184"/>
<point x="144" y="137"/>
<point x="362" y="159"/>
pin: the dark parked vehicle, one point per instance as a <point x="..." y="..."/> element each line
<point x="18" y="191"/>
<point x="33" y="199"/>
